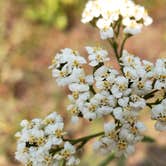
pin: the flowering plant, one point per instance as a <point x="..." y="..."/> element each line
<point x="104" y="93"/>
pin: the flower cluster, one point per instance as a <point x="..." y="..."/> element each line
<point x="144" y="76"/>
<point x="41" y="142"/>
<point x="120" y="139"/>
<point x="107" y="92"/>
<point x="108" y="14"/>
<point x="120" y="95"/>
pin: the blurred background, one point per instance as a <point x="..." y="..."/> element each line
<point x="31" y="32"/>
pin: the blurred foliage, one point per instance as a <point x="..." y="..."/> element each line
<point x="52" y="12"/>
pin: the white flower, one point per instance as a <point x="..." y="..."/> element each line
<point x="67" y="153"/>
<point x="97" y="55"/>
<point x="73" y="161"/>
<point x="24" y="123"/>
<point x="118" y="113"/>
<point x="65" y="64"/>
<point x="160" y="74"/>
<point x="137" y="102"/>
<point x="37" y="138"/>
<point x="89" y="110"/>
<point x="130" y="60"/>
<point x="109" y="128"/>
<point x="91" y="11"/>
<point x="106" y="31"/>
<point x="105" y="73"/>
<point x="76" y="97"/>
<point x="142" y="86"/>
<point x="159" y="114"/>
<point x="80" y="82"/>
<point x="107" y="13"/>
<point x="131" y="26"/>
<point x="120" y="88"/>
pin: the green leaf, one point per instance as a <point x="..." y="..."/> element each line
<point x="148" y="139"/>
<point x="107" y="160"/>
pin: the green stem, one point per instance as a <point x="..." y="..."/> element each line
<point x="87" y="138"/>
<point x="107" y="160"/>
<point x="158" y="101"/>
<point x="82" y="140"/>
<point x="123" y="44"/>
<point x="150" y="95"/>
<point x="81" y="145"/>
<point x="92" y="89"/>
<point x="64" y="163"/>
<point x="148" y="139"/>
<point x="115" y="48"/>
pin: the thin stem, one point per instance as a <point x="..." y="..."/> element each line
<point x="82" y="140"/>
<point x="64" y="163"/>
<point x="107" y="160"/>
<point x="115" y="48"/>
<point x="148" y="139"/>
<point x="81" y="145"/>
<point x="123" y="44"/>
<point x="86" y="138"/>
<point x="158" y="101"/>
<point x="92" y="89"/>
<point x="150" y="95"/>
<point x="118" y="28"/>
<point x="155" y="103"/>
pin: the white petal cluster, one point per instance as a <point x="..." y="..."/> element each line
<point x="143" y="75"/>
<point x="39" y="137"/>
<point x="97" y="55"/>
<point x="104" y="92"/>
<point x="159" y="114"/>
<point x="107" y="14"/>
<point x="107" y="92"/>
<point x="65" y="65"/>
<point x="120" y="138"/>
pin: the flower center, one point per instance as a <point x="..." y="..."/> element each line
<point x="140" y="85"/>
<point x="92" y="108"/>
<point x="122" y="145"/>
<point x="75" y="95"/>
<point x="58" y="133"/>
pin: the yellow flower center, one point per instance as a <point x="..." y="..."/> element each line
<point x="32" y="139"/>
<point x="58" y="133"/>
<point x="74" y="111"/>
<point x="76" y="64"/>
<point x="40" y="141"/>
<point x="49" y="121"/>
<point x="98" y="58"/>
<point x="113" y="135"/>
<point x="82" y="80"/>
<point x="148" y="68"/>
<point x="92" y="108"/>
<point x="140" y="85"/>
<point x="122" y="145"/>
<point x="162" y="118"/>
<point x="63" y="74"/>
<point x="107" y="84"/>
<point x="75" y="95"/>
<point x="122" y="87"/>
<point x="65" y="154"/>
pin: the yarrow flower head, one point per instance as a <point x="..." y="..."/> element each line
<point x="108" y="15"/>
<point x="38" y="140"/>
<point x="100" y="92"/>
